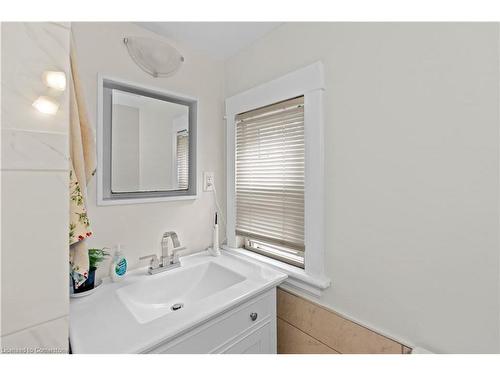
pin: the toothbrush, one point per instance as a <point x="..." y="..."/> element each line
<point x="215" y="246"/>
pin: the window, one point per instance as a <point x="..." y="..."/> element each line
<point x="270" y="180"/>
<point x="275" y="177"/>
<point x="182" y="159"/>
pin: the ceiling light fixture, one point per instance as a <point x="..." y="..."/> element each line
<point x="155" y="57"/>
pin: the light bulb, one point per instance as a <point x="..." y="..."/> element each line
<point x="55" y="80"/>
<point x="46" y="105"/>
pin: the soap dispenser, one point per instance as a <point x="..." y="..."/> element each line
<point x="118" y="265"/>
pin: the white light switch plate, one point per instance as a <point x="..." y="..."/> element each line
<point x="208" y="181"/>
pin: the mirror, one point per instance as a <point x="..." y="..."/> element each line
<point x="148" y="144"/>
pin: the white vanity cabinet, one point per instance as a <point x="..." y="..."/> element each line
<point x="249" y="328"/>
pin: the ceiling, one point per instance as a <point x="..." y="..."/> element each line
<point x="219" y="40"/>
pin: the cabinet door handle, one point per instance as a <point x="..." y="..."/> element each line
<point x="253" y="316"/>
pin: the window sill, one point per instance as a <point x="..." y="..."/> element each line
<point x="297" y="277"/>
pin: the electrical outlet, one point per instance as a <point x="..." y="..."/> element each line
<point x="208" y="181"/>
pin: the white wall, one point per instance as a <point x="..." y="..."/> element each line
<point x="412" y="171"/>
<point x="125" y="148"/>
<point x="139" y="227"/>
<point x="34" y="202"/>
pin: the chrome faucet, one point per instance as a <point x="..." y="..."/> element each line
<point x="169" y="257"/>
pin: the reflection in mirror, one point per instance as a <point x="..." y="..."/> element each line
<point x="149" y="144"/>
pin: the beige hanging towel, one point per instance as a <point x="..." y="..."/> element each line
<point x="82" y="168"/>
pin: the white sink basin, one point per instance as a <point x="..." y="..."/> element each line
<point x="169" y="292"/>
<point x="134" y="315"/>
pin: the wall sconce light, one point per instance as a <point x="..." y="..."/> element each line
<point x="55" y="80"/>
<point x="46" y="104"/>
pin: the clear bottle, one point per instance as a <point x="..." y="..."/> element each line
<point x="118" y="267"/>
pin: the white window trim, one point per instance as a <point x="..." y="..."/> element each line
<point x="309" y="82"/>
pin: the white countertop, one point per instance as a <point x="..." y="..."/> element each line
<point x="101" y="323"/>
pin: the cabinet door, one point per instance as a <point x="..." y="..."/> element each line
<point x="258" y="342"/>
<point x="223" y="332"/>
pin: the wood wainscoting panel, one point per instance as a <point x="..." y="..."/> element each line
<point x="292" y="340"/>
<point x="330" y="329"/>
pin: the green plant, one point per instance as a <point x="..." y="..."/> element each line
<point x="96" y="256"/>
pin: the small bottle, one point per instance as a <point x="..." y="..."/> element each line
<point x="118" y="265"/>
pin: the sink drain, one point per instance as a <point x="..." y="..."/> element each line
<point x="176" y="306"/>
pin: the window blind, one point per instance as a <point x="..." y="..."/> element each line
<point x="182" y="159"/>
<point x="270" y="174"/>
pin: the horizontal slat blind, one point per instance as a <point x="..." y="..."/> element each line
<point x="182" y="160"/>
<point x="270" y="173"/>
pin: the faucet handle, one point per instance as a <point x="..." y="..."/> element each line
<point x="154" y="260"/>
